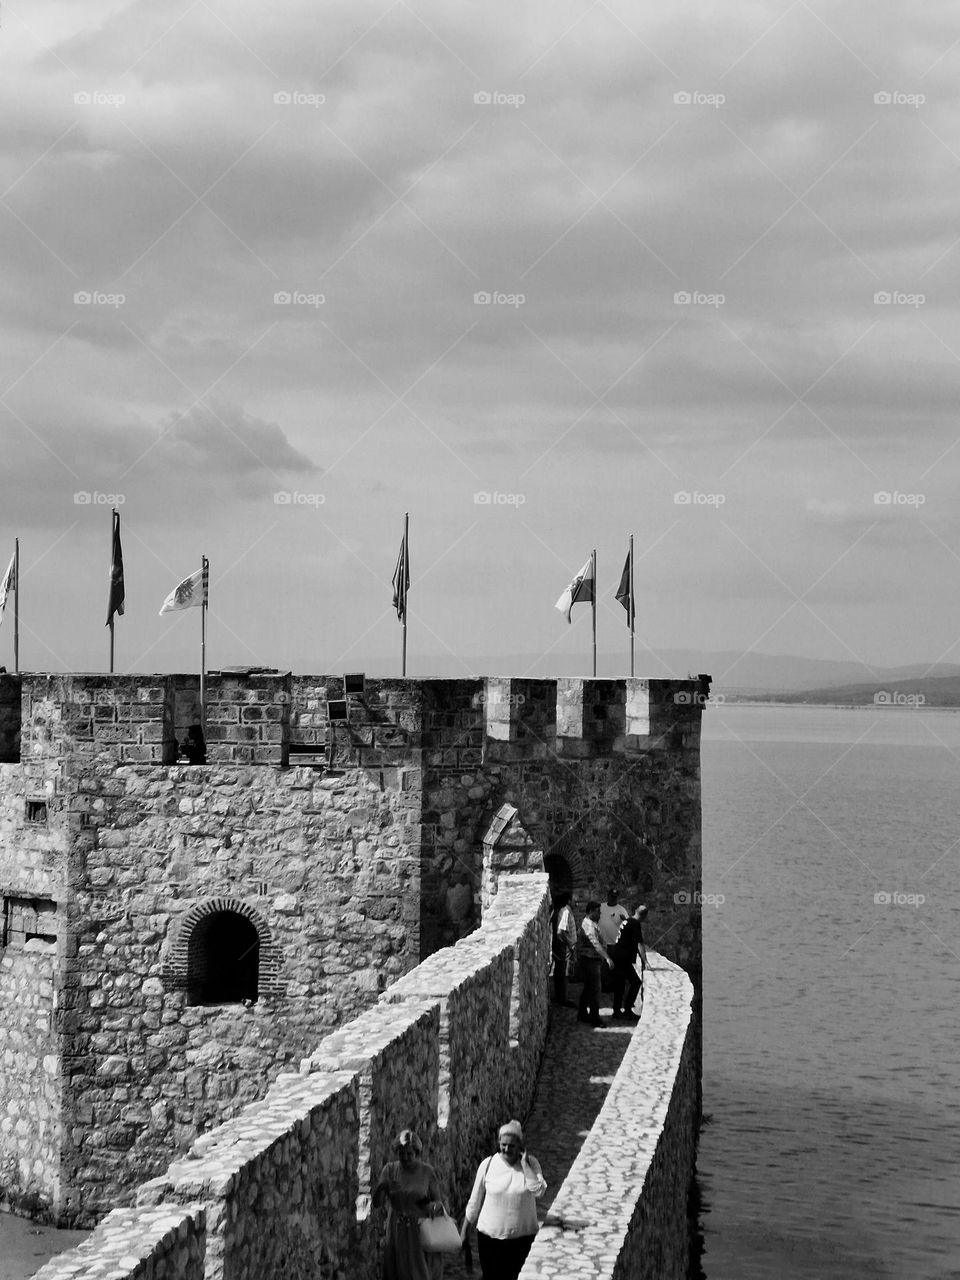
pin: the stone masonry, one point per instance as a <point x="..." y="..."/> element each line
<point x="344" y="852"/>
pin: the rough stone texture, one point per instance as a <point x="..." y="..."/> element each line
<point x="29" y="1078"/>
<point x="621" y="1213"/>
<point x="166" y="1243"/>
<point x="352" y="865"/>
<point x="283" y="1189"/>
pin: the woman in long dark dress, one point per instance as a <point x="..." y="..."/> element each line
<point x="411" y="1187"/>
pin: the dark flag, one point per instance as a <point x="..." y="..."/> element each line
<point x="625" y="593"/>
<point x="401" y="580"/>
<point x="115" y="602"/>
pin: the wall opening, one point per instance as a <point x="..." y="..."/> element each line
<point x="10" y="718"/>
<point x="28" y="919"/>
<point x="35" y="812"/>
<point x="561" y="877"/>
<point x="223" y="960"/>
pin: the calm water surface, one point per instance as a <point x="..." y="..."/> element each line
<point x="831" y="1031"/>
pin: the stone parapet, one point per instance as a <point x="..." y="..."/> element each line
<point x="163" y="1243"/>
<point x="623" y="1205"/>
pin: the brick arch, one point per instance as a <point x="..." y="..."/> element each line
<point x="176" y="967"/>
<point x="565" y="851"/>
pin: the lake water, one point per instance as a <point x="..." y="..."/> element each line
<point x="831" y="1063"/>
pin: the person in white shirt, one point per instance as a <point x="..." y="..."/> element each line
<point x="502" y="1207"/>
<point x="564" y="944"/>
<point x="592" y="955"/>
<point x="612" y="915"/>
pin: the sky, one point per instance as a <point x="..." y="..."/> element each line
<point x="541" y="275"/>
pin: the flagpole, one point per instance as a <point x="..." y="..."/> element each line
<point x="16" y="604"/>
<point x="403" y="579"/>
<point x="113" y="534"/>
<point x="593" y="556"/>
<point x="633" y="610"/>
<point x="205" y="576"/>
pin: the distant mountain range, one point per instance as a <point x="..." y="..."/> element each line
<point x="762" y="676"/>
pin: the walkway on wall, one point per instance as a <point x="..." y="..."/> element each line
<point x="578" y="1068"/>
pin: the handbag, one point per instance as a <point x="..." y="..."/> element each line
<point x="439" y="1235"/>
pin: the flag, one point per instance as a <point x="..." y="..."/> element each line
<point x="8" y="584"/>
<point x="190" y="593"/>
<point x="401" y="580"/>
<point x="581" y="588"/>
<point x="625" y="592"/>
<point x="115" y="600"/>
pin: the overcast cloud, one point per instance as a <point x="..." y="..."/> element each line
<point x="243" y="250"/>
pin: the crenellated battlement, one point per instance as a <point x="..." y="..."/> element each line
<point x="332" y="838"/>
<point x="272" y="718"/>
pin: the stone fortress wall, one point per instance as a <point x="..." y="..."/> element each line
<point x="282" y="1191"/>
<point x="352" y="849"/>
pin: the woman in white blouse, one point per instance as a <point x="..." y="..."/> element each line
<point x="503" y="1208"/>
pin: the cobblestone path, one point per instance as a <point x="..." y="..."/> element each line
<point x="578" y="1067"/>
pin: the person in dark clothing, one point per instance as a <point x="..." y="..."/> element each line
<point x="193" y="746"/>
<point x="623" y="953"/>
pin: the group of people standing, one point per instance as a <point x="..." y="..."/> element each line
<point x="609" y="938"/>
<point x="502" y="1208"/>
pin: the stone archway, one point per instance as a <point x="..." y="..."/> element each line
<point x="507" y="846"/>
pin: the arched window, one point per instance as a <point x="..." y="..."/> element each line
<point x="223" y="959"/>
